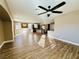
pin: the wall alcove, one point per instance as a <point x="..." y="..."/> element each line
<point x="5" y="26"/>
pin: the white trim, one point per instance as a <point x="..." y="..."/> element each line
<point x="6" y="42"/>
<point x="67" y="41"/>
<point x="1" y="45"/>
<point x="63" y="40"/>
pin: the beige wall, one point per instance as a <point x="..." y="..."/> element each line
<point x="1" y="32"/>
<point x="67" y="27"/>
<point x="6" y="27"/>
<point x="5" y="5"/>
<point x="7" y="30"/>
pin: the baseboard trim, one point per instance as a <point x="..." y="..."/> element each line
<point x="64" y="41"/>
<point x="1" y="45"/>
<point x="8" y="41"/>
<point x="68" y="41"/>
<point x="5" y="43"/>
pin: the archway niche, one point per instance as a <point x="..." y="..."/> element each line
<point x="5" y="26"/>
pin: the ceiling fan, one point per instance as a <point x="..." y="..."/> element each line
<point x="52" y="9"/>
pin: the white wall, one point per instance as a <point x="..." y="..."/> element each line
<point x="67" y="27"/>
<point x="17" y="27"/>
<point x="30" y="26"/>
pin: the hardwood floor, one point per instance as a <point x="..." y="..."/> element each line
<point x="25" y="47"/>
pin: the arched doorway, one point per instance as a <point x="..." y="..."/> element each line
<point x="5" y="26"/>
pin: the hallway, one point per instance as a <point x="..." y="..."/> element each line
<point x="26" y="46"/>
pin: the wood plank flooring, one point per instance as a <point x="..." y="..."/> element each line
<point x="25" y="47"/>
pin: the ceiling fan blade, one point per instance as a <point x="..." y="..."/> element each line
<point x="42" y="13"/>
<point x="57" y="12"/>
<point x="43" y="8"/>
<point x="59" y="5"/>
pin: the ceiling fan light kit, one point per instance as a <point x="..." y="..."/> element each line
<point x="52" y="9"/>
<point x="48" y="15"/>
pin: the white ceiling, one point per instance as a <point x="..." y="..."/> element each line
<point x="27" y="10"/>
